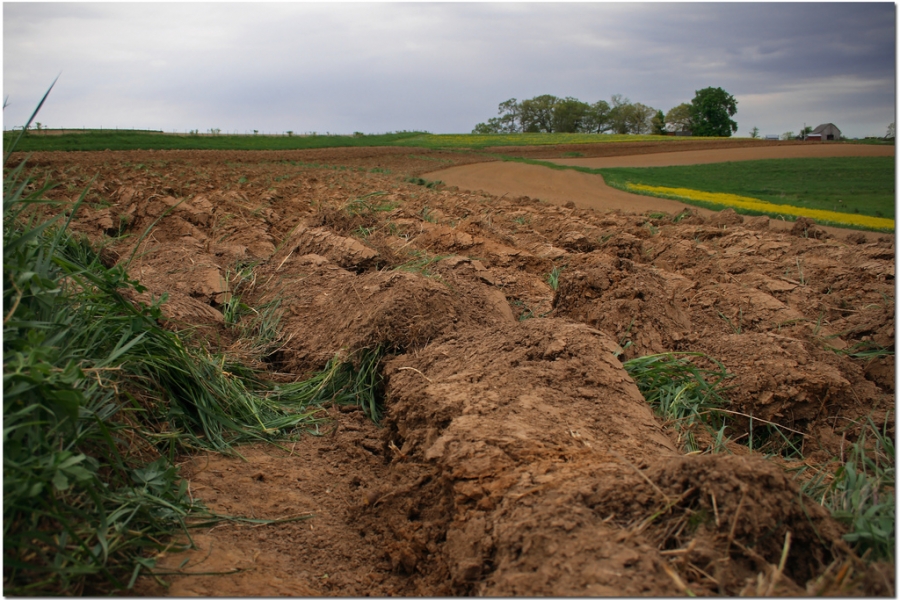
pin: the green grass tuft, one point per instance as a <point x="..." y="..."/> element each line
<point x="680" y="392"/>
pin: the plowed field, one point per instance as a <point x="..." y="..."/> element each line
<point x="516" y="455"/>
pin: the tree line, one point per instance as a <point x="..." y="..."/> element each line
<point x="708" y="114"/>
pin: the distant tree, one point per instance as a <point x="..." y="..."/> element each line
<point x="890" y="132"/>
<point x="256" y="132"/>
<point x="597" y="118"/>
<point x="679" y="118"/>
<point x="659" y="123"/>
<point x="787" y="135"/>
<point x="536" y="114"/>
<point x="711" y="112"/>
<point x="507" y="122"/>
<point x="570" y="115"/>
<point x="37" y="126"/>
<point x="290" y="133"/>
<point x="639" y="119"/>
<point x="754" y="133"/>
<point x="618" y="114"/>
<point x="509" y="116"/>
<point x="492" y="126"/>
<point x="805" y="131"/>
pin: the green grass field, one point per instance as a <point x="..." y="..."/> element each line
<point x="858" y="185"/>
<point x="145" y="140"/>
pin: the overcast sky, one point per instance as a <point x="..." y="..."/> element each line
<point x="440" y="67"/>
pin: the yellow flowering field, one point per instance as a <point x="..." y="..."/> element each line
<point x="735" y="201"/>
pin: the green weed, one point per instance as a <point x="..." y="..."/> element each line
<point x="428" y="214"/>
<point x="364" y="206"/>
<point x="421" y="263"/>
<point x="425" y="182"/>
<point x="861" y="493"/>
<point x="735" y="328"/>
<point x="679" y="391"/>
<point x="553" y="277"/>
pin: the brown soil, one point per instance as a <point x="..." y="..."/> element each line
<point x="516" y="456"/>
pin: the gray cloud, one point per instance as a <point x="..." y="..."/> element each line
<point x="441" y="67"/>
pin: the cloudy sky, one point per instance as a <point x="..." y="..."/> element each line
<point x="440" y="67"/>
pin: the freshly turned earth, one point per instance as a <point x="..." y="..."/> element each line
<point x="516" y="456"/>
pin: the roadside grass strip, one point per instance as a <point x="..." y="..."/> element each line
<point x="761" y="206"/>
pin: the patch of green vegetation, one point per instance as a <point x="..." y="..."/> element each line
<point x="680" y="392"/>
<point x="428" y="214"/>
<point x="92" y="140"/>
<point x="553" y="277"/>
<point x="421" y="262"/>
<point x="860" y="185"/>
<point x="367" y="205"/>
<point x="861" y="492"/>
<point x="425" y="182"/>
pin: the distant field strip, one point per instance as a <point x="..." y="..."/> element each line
<point x="474" y="140"/>
<point x="761" y="206"/>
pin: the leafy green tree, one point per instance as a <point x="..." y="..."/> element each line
<point x="890" y="132"/>
<point x="711" y="112"/>
<point x="507" y="122"/>
<point x="536" y="114"/>
<point x="754" y="133"/>
<point x="640" y="119"/>
<point x="804" y="133"/>
<point x="492" y="126"/>
<point x="570" y="115"/>
<point x="679" y="117"/>
<point x="659" y="123"/>
<point x="787" y="135"/>
<point x="618" y="114"/>
<point x="597" y="118"/>
<point x="509" y="116"/>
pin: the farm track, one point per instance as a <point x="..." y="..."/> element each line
<point x="516" y="456"/>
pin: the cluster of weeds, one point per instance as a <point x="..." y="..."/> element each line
<point x="428" y="214"/>
<point x="682" y="215"/>
<point x="865" y="350"/>
<point x="680" y="392"/>
<point x="553" y="277"/>
<point x="342" y="381"/>
<point x="365" y="205"/>
<point x="739" y="328"/>
<point x="526" y="312"/>
<point x="425" y="182"/>
<point x="234" y="308"/>
<point x="363" y="231"/>
<point x="861" y="492"/>
<point x="421" y="262"/>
